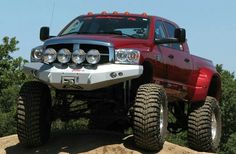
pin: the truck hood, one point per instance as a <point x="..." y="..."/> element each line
<point x="116" y="40"/>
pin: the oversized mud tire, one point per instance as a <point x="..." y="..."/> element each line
<point x="33" y="114"/>
<point x="150" y="117"/>
<point x="204" y="126"/>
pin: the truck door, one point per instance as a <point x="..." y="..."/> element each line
<point x="160" y="71"/>
<point x="177" y="59"/>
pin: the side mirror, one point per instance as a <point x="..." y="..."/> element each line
<point x="44" y="33"/>
<point x="180" y="34"/>
<point x="179" y="37"/>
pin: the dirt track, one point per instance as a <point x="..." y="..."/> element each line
<point x="87" y="142"/>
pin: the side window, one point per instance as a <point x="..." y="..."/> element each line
<point x="159" y="30"/>
<point x="171" y="32"/>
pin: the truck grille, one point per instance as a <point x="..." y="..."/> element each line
<point x="103" y="50"/>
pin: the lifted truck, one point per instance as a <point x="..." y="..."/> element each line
<point x="133" y="68"/>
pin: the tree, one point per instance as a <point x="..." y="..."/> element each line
<point x="11" y="78"/>
<point x="228" y="108"/>
<point x="229" y="147"/>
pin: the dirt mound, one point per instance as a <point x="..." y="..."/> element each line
<point x="87" y="142"/>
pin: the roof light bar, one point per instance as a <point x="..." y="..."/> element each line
<point x="115" y="12"/>
<point x="126" y="13"/>
<point x="103" y="12"/>
<point x="144" y="14"/>
<point x="90" y="13"/>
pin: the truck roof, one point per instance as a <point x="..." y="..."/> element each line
<point x="115" y="13"/>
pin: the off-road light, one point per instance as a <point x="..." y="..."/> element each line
<point x="115" y="12"/>
<point x="78" y="56"/>
<point x="127" y="56"/>
<point x="93" y="56"/>
<point x="90" y="13"/>
<point x="36" y="54"/>
<point x="103" y="12"/>
<point x="49" y="55"/>
<point x="63" y="55"/>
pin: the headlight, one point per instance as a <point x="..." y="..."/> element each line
<point x="93" y="56"/>
<point x="49" y="55"/>
<point x="63" y="55"/>
<point x="78" y="56"/>
<point x="36" y="54"/>
<point x="127" y="56"/>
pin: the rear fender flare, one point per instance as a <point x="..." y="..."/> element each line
<point x="203" y="84"/>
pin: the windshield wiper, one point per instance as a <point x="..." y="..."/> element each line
<point x="117" y="33"/>
<point x="123" y="34"/>
<point x="75" y="33"/>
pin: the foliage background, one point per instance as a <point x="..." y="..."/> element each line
<point x="12" y="77"/>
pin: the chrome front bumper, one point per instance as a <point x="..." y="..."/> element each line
<point x="83" y="79"/>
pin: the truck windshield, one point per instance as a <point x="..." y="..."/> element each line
<point x="125" y="26"/>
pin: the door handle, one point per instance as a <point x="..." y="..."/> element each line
<point x="171" y="56"/>
<point x="186" y="60"/>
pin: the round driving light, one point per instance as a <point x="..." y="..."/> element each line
<point x="132" y="56"/>
<point x="63" y="55"/>
<point x="37" y="53"/>
<point x="49" y="55"/>
<point x="93" y="56"/>
<point x="78" y="56"/>
<point x="121" y="55"/>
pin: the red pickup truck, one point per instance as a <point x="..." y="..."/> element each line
<point x="127" y="70"/>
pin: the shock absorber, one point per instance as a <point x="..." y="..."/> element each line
<point x="126" y="94"/>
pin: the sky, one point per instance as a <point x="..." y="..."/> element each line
<point x="210" y="24"/>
